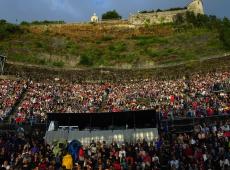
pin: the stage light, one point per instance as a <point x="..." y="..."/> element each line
<point x="115" y="137"/>
<point x="86" y="137"/>
<point x="102" y="139"/>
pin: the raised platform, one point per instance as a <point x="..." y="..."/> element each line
<point x="119" y="126"/>
<point x="86" y="136"/>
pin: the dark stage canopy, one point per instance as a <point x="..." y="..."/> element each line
<point x="111" y="120"/>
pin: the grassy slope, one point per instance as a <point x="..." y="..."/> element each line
<point x="106" y="45"/>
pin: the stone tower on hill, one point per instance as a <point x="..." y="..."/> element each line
<point x="196" y="6"/>
<point x="166" y="16"/>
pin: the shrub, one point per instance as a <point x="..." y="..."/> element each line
<point x="24" y="23"/>
<point x="118" y="47"/>
<point x="72" y="47"/>
<point x="46" y="22"/>
<point x="6" y="29"/>
<point x="148" y="40"/>
<point x="224" y="33"/>
<point x="107" y="38"/>
<point x="85" y="60"/>
<point x="39" y="44"/>
<point x="58" y="64"/>
<point x="179" y="19"/>
<point x="90" y="57"/>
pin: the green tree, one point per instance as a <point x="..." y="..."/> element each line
<point x="111" y="15"/>
<point x="191" y="18"/>
<point x="24" y="23"/>
<point x="7" y="29"/>
<point x="158" y="10"/>
<point x="2" y="22"/>
<point x="224" y="33"/>
<point x="225" y="37"/>
<point x="214" y="22"/>
<point x="226" y="22"/>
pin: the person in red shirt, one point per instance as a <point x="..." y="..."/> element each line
<point x="188" y="152"/>
<point x="81" y="157"/>
<point x="194" y="105"/>
<point x="117" y="165"/>
<point x="42" y="165"/>
<point x="209" y="111"/>
<point x="147" y="160"/>
<point x="198" y="154"/>
<point x="172" y="99"/>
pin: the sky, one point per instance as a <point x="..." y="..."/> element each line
<point x="81" y="10"/>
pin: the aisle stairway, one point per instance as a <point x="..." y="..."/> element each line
<point x="104" y="102"/>
<point x="7" y="119"/>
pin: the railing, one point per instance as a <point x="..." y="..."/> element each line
<point x="180" y="125"/>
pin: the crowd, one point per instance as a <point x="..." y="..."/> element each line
<point x="198" y="95"/>
<point x="10" y="91"/>
<point x="60" y="97"/>
<point x="206" y="148"/>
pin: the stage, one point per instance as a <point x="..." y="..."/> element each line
<point x="120" y="126"/>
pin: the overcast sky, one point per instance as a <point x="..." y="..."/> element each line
<point x="81" y="10"/>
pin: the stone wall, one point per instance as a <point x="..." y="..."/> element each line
<point x="154" y="17"/>
<point x="195" y="6"/>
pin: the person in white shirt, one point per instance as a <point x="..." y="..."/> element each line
<point x="6" y="165"/>
<point x="155" y="159"/>
<point x="122" y="153"/>
<point x="214" y="129"/>
<point x="174" y="163"/>
<point x="224" y="164"/>
<point x="192" y="141"/>
<point x="225" y="127"/>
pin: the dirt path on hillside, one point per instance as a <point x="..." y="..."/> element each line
<point x="107" y="67"/>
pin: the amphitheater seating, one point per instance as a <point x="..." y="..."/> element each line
<point x="10" y="91"/>
<point x="198" y="96"/>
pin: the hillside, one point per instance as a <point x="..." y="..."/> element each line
<point x="116" y="44"/>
